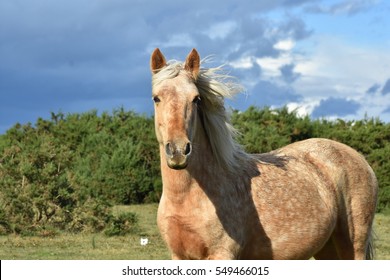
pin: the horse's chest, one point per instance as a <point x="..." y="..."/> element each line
<point x="185" y="239"/>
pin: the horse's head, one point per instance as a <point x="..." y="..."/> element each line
<point x="176" y="100"/>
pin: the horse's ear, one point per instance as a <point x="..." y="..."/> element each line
<point x="192" y="63"/>
<point x="157" y="61"/>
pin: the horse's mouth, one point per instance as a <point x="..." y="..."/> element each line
<point x="177" y="164"/>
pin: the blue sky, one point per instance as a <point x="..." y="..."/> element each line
<point x="322" y="58"/>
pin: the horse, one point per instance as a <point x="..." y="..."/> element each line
<point x="313" y="198"/>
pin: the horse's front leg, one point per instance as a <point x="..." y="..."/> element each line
<point x="222" y="255"/>
<point x="216" y="256"/>
<point x="175" y="257"/>
<point x="210" y="257"/>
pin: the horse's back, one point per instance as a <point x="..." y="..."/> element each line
<point x="350" y="174"/>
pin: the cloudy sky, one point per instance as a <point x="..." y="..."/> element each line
<point x="323" y="58"/>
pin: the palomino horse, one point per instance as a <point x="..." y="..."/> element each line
<point x="314" y="198"/>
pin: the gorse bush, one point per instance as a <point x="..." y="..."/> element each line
<point x="123" y="224"/>
<point x="67" y="172"/>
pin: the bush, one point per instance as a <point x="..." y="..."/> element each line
<point x="65" y="173"/>
<point x="124" y="224"/>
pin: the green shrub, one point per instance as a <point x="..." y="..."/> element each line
<point x="65" y="173"/>
<point x="124" y="224"/>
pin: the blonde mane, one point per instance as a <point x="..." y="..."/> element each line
<point x="213" y="86"/>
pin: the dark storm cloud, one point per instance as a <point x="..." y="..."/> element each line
<point x="335" y="106"/>
<point x="386" y="88"/>
<point x="387" y="110"/>
<point x="256" y="37"/>
<point x="71" y="55"/>
<point x="288" y="73"/>
<point x="377" y="88"/>
<point x="266" y="93"/>
<point x="373" y="89"/>
<point x="248" y="74"/>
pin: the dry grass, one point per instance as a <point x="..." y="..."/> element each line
<point x="101" y="247"/>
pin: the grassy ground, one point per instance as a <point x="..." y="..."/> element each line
<point x="382" y="238"/>
<point x="92" y="246"/>
<point x="101" y="247"/>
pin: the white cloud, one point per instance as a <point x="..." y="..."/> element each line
<point x="303" y="108"/>
<point x="339" y="59"/>
<point x="339" y="69"/>
<point x="271" y="65"/>
<point x="285" y="45"/>
<point x="349" y="7"/>
<point x="242" y="63"/>
<point x="221" y="30"/>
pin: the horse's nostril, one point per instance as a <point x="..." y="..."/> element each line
<point x="188" y="149"/>
<point x="168" y="149"/>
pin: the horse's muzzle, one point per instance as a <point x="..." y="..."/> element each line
<point x="177" y="154"/>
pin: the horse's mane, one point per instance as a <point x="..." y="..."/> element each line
<point x="214" y="86"/>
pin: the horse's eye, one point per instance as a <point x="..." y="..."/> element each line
<point x="156" y="99"/>
<point x="196" y="100"/>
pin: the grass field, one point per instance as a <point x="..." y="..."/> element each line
<point x="101" y="247"/>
